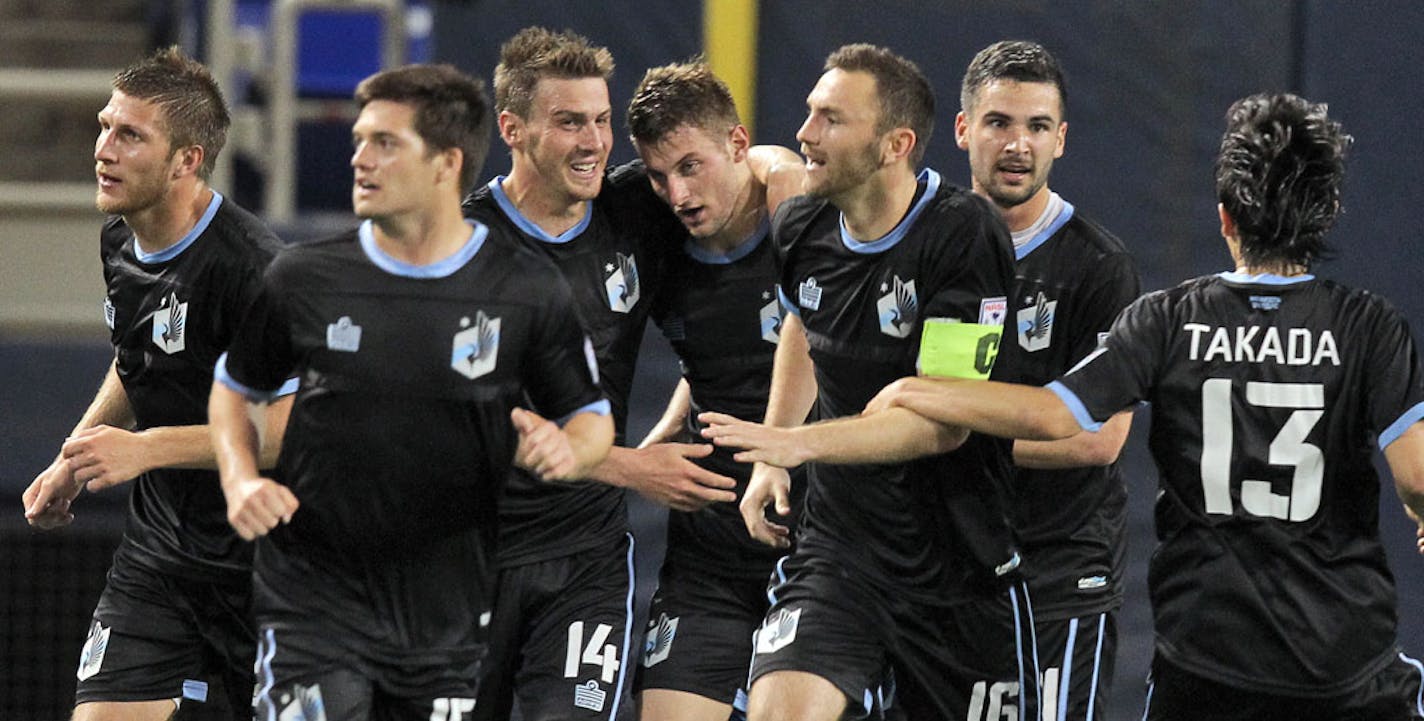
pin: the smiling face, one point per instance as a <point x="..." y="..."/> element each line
<point x="134" y="161"/>
<point x="1013" y="132"/>
<point x="565" y="141"/>
<point x="394" y="171"/>
<point x="839" y="139"/>
<point x="701" y="174"/>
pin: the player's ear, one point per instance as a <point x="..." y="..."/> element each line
<point x="511" y="128"/>
<point x="899" y="143"/>
<point x="739" y="141"/>
<point x="1228" y="223"/>
<point x="188" y="160"/>
<point x="961" y="130"/>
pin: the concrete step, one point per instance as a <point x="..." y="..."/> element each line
<point x="71" y="43"/>
<point x="49" y="139"/>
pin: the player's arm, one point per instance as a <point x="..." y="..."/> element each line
<point x="48" y="497"/>
<point x="1008" y="410"/>
<point x="779" y="170"/>
<point x="662" y="470"/>
<point x="1405" y="456"/>
<point x="893" y="435"/>
<point x="239" y="429"/>
<point x="674" y="416"/>
<point x="564" y="453"/>
<point x="1082" y="450"/>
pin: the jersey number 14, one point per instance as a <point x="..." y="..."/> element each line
<point x="598" y="652"/>
<point x="1288" y="448"/>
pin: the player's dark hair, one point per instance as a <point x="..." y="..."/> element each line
<point x="671" y="96"/>
<point x="193" y="110"/>
<point x="535" y="53"/>
<point x="451" y="109"/>
<point x="1278" y="175"/>
<point x="906" y="98"/>
<point x="1017" y="60"/>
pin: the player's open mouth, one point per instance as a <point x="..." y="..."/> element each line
<point x="106" y="180"/>
<point x="1014" y="171"/>
<point x="690" y="216"/>
<point x="584" y="168"/>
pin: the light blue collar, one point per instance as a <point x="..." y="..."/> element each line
<point x="496" y="186"/>
<point x="1264" y="278"/>
<point x="742" y="250"/>
<point x="173" y="251"/>
<point x="438" y="269"/>
<point x="931" y="180"/>
<point x="1064" y="215"/>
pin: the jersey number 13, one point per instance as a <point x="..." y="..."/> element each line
<point x="1288" y="448"/>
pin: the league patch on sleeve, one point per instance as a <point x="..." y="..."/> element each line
<point x="993" y="311"/>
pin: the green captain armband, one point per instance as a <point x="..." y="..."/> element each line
<point x="949" y="348"/>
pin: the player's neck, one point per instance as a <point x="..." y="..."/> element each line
<point x="422" y="237"/>
<point x="746" y="218"/>
<point x="873" y="208"/>
<point x="160" y="226"/>
<point x="1278" y="268"/>
<point x="541" y="203"/>
<point x="1026" y="213"/>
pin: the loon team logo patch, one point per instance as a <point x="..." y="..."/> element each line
<point x="659" y="642"/>
<point x="170" y="324"/>
<point x="302" y="704"/>
<point x="476" y="348"/>
<point x="898" y="309"/>
<point x="1036" y="323"/>
<point x="771" y="319"/>
<point x="91" y="658"/>
<point x="778" y="631"/>
<point x="621" y="282"/>
<point x="343" y="335"/>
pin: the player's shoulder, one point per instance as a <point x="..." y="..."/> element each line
<point x="300" y="259"/>
<point x="113" y="235"/>
<point x="481" y="204"/>
<point x="795" y="214"/>
<point x="1091" y="237"/>
<point x="241" y="234"/>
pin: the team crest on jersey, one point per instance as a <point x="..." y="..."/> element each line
<point x="109" y="313"/>
<point x="589" y="696"/>
<point x="169" y="325"/>
<point x="621" y="282"/>
<point x="1036" y="323"/>
<point x="993" y="311"/>
<point x="771" y="319"/>
<point x="343" y="335"/>
<point x="91" y="658"/>
<point x="659" y="642"/>
<point x="898" y="308"/>
<point x="778" y="631"/>
<point x="808" y="295"/>
<point x="476" y="348"/>
<point x="304" y="703"/>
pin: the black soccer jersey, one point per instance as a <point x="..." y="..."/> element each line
<point x="1269" y="395"/>
<point x="612" y="264"/>
<point x="934" y="529"/>
<point x="400" y="437"/>
<point x="721" y="314"/>
<point x="1072" y="280"/>
<point x="170" y="315"/>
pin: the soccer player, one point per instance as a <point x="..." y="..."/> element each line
<point x="562" y="626"/>
<point x="718" y="308"/>
<point x="181" y="267"/>
<point x="1073" y="277"/>
<point x="1269" y="387"/>
<point x="415" y="338"/>
<point x="905" y="565"/>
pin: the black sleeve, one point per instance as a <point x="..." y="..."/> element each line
<point x="1395" y="396"/>
<point x="261" y="357"/>
<point x="1114" y="284"/>
<point x="561" y="372"/>
<point x="1123" y="370"/>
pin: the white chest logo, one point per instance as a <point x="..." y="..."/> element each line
<point x="898" y="309"/>
<point x="1036" y="323"/>
<point x="476" y="348"/>
<point x="771" y="319"/>
<point x="621" y="282"/>
<point x="170" y="324"/>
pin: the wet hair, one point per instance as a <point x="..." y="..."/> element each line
<point x="535" y="53"/>
<point x="906" y="98"/>
<point x="671" y="96"/>
<point x="451" y="109"/>
<point x="1017" y="60"/>
<point x="192" y="108"/>
<point x="1278" y="175"/>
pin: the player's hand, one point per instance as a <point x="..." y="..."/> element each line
<point x="543" y="448"/>
<point x="768" y="485"/>
<point x="104" y="456"/>
<point x="256" y="505"/>
<point x="48" y="497"/>
<point x="1419" y="530"/>
<point x="665" y="474"/>
<point x="764" y="444"/>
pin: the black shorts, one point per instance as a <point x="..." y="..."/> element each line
<point x="560" y="637"/>
<point x="156" y="636"/>
<point x="967" y="661"/>
<point x="699" y="637"/>
<point x="1395" y="693"/>
<point x="1076" y="657"/>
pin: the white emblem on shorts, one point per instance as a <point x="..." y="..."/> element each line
<point x="302" y="704"/>
<point x="1088" y="583"/>
<point x="168" y="324"/>
<point x="451" y="709"/>
<point x="589" y="696"/>
<point x="659" y="644"/>
<point x="343" y="335"/>
<point x="92" y="657"/>
<point x="778" y="631"/>
<point x="476" y="349"/>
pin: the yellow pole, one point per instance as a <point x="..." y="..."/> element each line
<point x="729" y="38"/>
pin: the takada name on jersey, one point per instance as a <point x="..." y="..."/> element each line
<point x="1254" y="344"/>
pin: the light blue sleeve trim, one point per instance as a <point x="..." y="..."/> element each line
<point x="786" y="303"/>
<point x="289" y="387"/>
<point x="1075" y="406"/>
<point x="221" y="375"/>
<point x="601" y="407"/>
<point x="1397" y="428"/>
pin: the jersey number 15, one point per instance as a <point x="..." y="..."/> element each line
<point x="1288" y="448"/>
